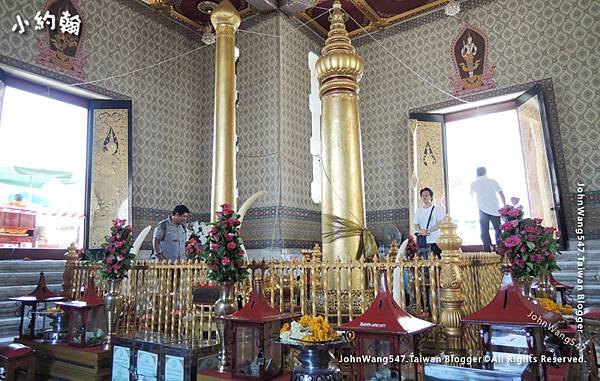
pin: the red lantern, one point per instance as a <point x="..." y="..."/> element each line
<point x="86" y="318"/>
<point x="511" y="309"/>
<point x="29" y="307"/>
<point x="388" y="334"/>
<point x="255" y="354"/>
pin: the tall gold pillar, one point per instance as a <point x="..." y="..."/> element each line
<point x="339" y="69"/>
<point x="225" y="19"/>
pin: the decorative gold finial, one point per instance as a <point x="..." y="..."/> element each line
<point x="72" y="253"/>
<point x="339" y="68"/>
<point x="317" y="255"/>
<point x="449" y="241"/>
<point x="225" y="14"/>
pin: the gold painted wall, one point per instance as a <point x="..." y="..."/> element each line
<point x="109" y="192"/>
<point x="426" y="163"/>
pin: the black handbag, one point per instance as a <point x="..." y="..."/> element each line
<point x="421" y="239"/>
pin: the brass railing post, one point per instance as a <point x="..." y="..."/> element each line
<point x="451" y="284"/>
<point x="72" y="258"/>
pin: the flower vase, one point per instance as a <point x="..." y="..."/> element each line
<point x="113" y="301"/>
<point x="225" y="305"/>
<point x="544" y="288"/>
<point x="524" y="284"/>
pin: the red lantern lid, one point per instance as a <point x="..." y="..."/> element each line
<point x="558" y="285"/>
<point x="88" y="300"/>
<point x="510" y="307"/>
<point x="385" y="316"/>
<point x="258" y="310"/>
<point x="40" y="294"/>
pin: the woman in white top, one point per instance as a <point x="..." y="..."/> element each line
<point x="427" y="222"/>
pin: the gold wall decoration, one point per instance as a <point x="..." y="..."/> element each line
<point x="109" y="175"/>
<point x="426" y="163"/>
<point x="472" y="71"/>
<point x="61" y="48"/>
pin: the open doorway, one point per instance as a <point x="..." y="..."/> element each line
<point x="492" y="141"/>
<point x="507" y="135"/>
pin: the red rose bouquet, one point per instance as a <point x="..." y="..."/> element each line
<point x="531" y="247"/>
<point x="222" y="250"/>
<point x="193" y="247"/>
<point x="115" y="256"/>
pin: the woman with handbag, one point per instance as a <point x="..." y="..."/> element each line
<point x="426" y="223"/>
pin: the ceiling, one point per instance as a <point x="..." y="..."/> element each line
<point x="372" y="15"/>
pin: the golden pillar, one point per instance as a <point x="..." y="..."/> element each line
<point x="451" y="283"/>
<point x="225" y="19"/>
<point x="339" y="69"/>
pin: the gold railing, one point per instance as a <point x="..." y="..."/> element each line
<point x="158" y="295"/>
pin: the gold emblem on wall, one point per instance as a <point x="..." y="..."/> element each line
<point x="470" y="55"/>
<point x="62" y="36"/>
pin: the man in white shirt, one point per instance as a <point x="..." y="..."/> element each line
<point x="486" y="189"/>
<point x="427" y="221"/>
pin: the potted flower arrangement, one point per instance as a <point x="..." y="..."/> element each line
<point x="222" y="251"/>
<point x="223" y="254"/>
<point x="114" y="257"/>
<point x="531" y="247"/>
<point x="115" y="261"/>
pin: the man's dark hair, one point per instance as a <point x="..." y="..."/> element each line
<point x="180" y="209"/>
<point x="426" y="189"/>
<point x="18" y="197"/>
<point x="481" y="171"/>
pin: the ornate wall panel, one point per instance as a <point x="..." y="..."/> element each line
<point x="301" y="218"/>
<point x="109" y="190"/>
<point x="426" y="163"/>
<point x="258" y="115"/>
